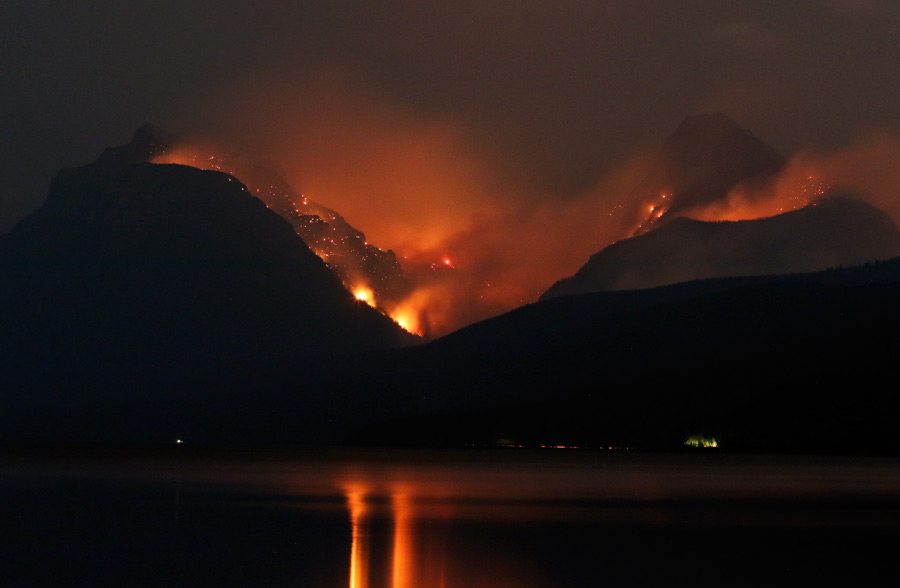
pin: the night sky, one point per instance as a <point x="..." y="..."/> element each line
<point x="431" y="124"/>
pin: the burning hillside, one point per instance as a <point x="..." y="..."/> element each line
<point x="463" y="259"/>
<point x="361" y="266"/>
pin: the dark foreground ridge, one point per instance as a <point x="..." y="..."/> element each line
<point x="777" y="364"/>
<point x="797" y="363"/>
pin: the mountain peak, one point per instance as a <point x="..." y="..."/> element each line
<point x="700" y="162"/>
<point x="707" y="120"/>
<point x="149" y="134"/>
<point x="719" y="144"/>
<point x="703" y="132"/>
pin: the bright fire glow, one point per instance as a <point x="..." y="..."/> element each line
<point x="364" y="294"/>
<point x="429" y="307"/>
<point x="407" y="317"/>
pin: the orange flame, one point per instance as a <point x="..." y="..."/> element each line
<point x="407" y="316"/>
<point x="364" y="294"/>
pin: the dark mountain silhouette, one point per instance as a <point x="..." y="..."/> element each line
<point x="343" y="247"/>
<point x="77" y="196"/>
<point x="705" y="158"/>
<point x="799" y="363"/>
<point x="135" y="279"/>
<point x="832" y="231"/>
<point x="143" y="264"/>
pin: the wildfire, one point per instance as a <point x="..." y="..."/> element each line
<point x="654" y="212"/>
<point x="364" y="294"/>
<point x="408" y="318"/>
<point x="365" y="271"/>
<point x="790" y="192"/>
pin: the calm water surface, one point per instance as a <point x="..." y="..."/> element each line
<point x="467" y="519"/>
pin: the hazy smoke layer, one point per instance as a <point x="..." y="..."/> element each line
<point x="867" y="168"/>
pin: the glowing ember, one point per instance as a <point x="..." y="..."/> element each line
<point x="654" y="212"/>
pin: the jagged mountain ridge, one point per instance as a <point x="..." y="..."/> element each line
<point x="837" y="230"/>
<point x="146" y="262"/>
<point x="343" y="247"/>
<point x="78" y="195"/>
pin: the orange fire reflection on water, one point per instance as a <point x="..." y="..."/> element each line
<point x="402" y="568"/>
<point x="404" y="571"/>
<point x="359" y="547"/>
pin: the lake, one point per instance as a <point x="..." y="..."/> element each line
<point x="446" y="519"/>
